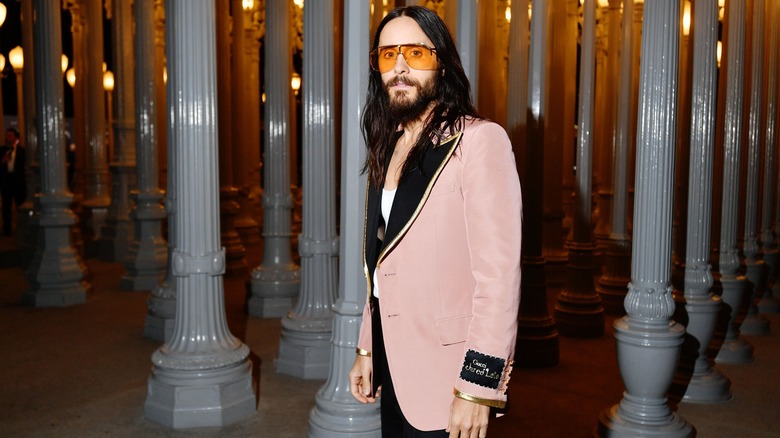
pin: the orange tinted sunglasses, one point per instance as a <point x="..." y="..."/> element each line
<point x="418" y="56"/>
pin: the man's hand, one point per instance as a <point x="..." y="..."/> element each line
<point x="360" y="379"/>
<point x="468" y="419"/>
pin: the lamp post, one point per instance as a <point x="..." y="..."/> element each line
<point x="3" y="12"/>
<point x="2" y="68"/>
<point x="108" y="85"/>
<point x="16" y="56"/>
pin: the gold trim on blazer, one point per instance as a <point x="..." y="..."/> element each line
<point x="455" y="139"/>
<point x="365" y="224"/>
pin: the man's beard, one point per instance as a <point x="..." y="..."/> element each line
<point x="402" y="108"/>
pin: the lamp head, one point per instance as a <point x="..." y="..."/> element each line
<point x="70" y="76"/>
<point x="295" y="83"/>
<point x="108" y="81"/>
<point x="16" y="56"/>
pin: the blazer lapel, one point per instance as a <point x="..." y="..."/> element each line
<point x="373" y="218"/>
<point x="413" y="192"/>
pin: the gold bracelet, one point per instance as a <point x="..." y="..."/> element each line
<point x="362" y="352"/>
<point x="479" y="400"/>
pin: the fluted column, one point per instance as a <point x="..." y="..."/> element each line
<point x="537" y="339"/>
<point x="77" y="176"/>
<point x="636" y="27"/>
<point x="706" y="385"/>
<point x="254" y="32"/>
<point x="555" y="253"/>
<point x="25" y="231"/>
<point x="78" y="30"/>
<point x="96" y="177"/>
<point x="202" y="376"/>
<point x="228" y="207"/>
<point x="579" y="312"/>
<point x="517" y="83"/>
<point x="769" y="303"/>
<point x="776" y="224"/>
<point x="276" y="282"/>
<point x="616" y="272"/>
<point x="247" y="154"/>
<point x="491" y="66"/>
<point x="570" y="38"/>
<point x="466" y="39"/>
<point x="601" y="128"/>
<point x="160" y="62"/>
<point x="717" y="175"/>
<point x="734" y="349"/>
<point x="756" y="268"/>
<point x="147" y="256"/>
<point x="161" y="305"/>
<point x="336" y="412"/>
<point x="304" y="348"/>
<point x="605" y="148"/>
<point x="683" y="145"/>
<point x="648" y="341"/>
<point x="55" y="274"/>
<point x="117" y="234"/>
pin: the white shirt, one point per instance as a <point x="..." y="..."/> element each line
<point x="387" y="204"/>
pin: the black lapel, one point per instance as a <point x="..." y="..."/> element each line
<point x="371" y="242"/>
<point x="413" y="191"/>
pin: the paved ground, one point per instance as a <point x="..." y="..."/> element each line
<point x="82" y="371"/>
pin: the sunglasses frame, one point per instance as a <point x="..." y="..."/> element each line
<point x="374" y="55"/>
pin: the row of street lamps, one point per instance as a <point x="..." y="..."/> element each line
<point x="16" y="59"/>
<point x="3" y="12"/>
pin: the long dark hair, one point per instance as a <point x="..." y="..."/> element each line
<point x="452" y="101"/>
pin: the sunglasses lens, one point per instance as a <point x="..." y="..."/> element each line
<point x="386" y="58"/>
<point x="418" y="57"/>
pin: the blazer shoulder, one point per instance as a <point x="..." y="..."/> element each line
<point x="484" y="135"/>
<point x="482" y="127"/>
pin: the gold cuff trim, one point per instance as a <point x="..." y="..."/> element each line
<point x="479" y="400"/>
<point x="362" y="352"/>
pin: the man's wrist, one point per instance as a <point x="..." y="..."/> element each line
<point x="500" y="404"/>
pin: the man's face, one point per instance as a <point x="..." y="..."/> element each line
<point x="10" y="138"/>
<point x="410" y="91"/>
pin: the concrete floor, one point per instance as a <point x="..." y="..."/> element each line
<point x="82" y="371"/>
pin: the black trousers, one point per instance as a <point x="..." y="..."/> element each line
<point x="394" y="424"/>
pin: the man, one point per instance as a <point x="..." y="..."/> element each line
<point x="12" y="181"/>
<point x="442" y="240"/>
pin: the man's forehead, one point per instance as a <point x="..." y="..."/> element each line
<point x="402" y="30"/>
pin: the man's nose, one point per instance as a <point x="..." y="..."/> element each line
<point x="400" y="64"/>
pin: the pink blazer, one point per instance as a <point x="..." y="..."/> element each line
<point x="449" y="275"/>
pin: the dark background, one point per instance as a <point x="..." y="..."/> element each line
<point x="11" y="36"/>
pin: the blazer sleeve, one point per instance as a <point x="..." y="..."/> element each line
<point x="493" y="213"/>
<point x="364" y="346"/>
